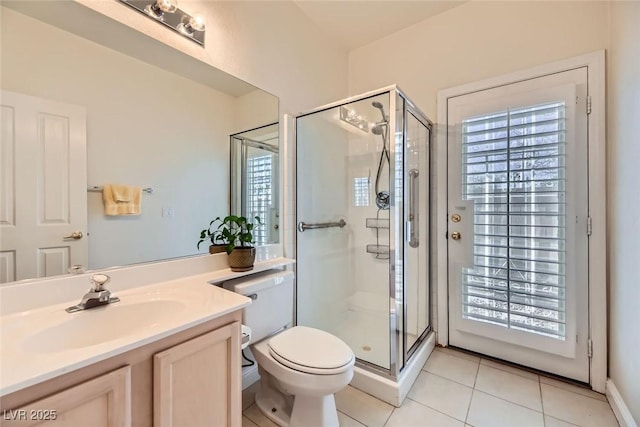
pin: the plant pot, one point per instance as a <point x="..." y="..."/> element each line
<point x="216" y="249"/>
<point x="242" y="259"/>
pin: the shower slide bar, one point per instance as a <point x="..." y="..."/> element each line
<point x="302" y="226"/>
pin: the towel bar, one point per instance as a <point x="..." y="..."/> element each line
<point x="95" y="188"/>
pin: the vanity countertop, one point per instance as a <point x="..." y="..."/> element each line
<point x="46" y="342"/>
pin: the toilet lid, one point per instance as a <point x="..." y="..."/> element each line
<point x="310" y="350"/>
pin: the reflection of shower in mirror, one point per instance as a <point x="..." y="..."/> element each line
<point x="254" y="180"/>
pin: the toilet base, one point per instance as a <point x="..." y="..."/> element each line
<point x="314" y="411"/>
<point x="306" y="411"/>
<point x="273" y="407"/>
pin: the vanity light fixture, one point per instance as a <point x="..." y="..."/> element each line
<point x="166" y="12"/>
<point x="354" y="119"/>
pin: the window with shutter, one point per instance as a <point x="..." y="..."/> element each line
<point x="513" y="169"/>
<point x="259" y="195"/>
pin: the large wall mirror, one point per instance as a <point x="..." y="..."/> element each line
<point x="86" y="102"/>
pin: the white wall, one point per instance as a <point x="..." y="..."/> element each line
<point x="624" y="202"/>
<point x="255" y="109"/>
<point x="475" y="41"/>
<point x="145" y="127"/>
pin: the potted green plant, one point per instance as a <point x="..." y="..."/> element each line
<point x="237" y="233"/>
<point x="218" y="244"/>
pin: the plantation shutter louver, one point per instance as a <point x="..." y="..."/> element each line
<point x="514" y="170"/>
<point x="259" y="195"/>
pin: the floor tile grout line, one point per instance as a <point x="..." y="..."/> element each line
<point x="466" y="417"/>
<point x="579" y="394"/>
<point x="456" y="353"/>
<point x="389" y="417"/>
<point x="434" y="409"/>
<point x="510" y="372"/>
<point x="475" y="380"/>
<point x="251" y="419"/>
<point x="519" y="376"/>
<point x="544" y="420"/>
<point x="349" y="416"/>
<point x="449" y="379"/>
<point x="508" y="401"/>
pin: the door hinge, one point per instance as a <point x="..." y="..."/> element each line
<point x="589" y="348"/>
<point x="588" y="105"/>
<point x="589" y="226"/>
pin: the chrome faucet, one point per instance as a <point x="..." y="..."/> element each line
<point x="96" y="296"/>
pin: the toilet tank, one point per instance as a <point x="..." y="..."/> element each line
<point x="271" y="307"/>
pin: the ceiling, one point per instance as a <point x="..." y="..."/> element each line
<point x="354" y="23"/>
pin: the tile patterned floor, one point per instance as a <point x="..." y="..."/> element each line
<point x="456" y="389"/>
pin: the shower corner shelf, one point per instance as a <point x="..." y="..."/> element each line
<point x="377" y="223"/>
<point x="378" y="249"/>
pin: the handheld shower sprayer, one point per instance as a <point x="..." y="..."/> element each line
<point x="380" y="107"/>
<point x="382" y="129"/>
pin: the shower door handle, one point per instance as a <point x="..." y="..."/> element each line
<point x="413" y="231"/>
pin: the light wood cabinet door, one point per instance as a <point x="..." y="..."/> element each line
<point x="104" y="401"/>
<point x="199" y="382"/>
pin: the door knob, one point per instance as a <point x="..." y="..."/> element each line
<point x="456" y="235"/>
<point x="76" y="235"/>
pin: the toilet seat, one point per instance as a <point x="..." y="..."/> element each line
<point x="311" y="351"/>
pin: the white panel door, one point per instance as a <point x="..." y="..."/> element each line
<point x="43" y="214"/>
<point x="517" y="225"/>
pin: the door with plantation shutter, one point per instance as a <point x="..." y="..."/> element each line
<point x="517" y="223"/>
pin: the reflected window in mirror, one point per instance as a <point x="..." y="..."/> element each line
<point x="254" y="180"/>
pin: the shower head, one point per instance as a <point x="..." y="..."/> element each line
<point x="380" y="107"/>
<point x="378" y="129"/>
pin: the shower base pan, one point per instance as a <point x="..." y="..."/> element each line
<point x="388" y="390"/>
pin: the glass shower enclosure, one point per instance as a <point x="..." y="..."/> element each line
<point x="363" y="226"/>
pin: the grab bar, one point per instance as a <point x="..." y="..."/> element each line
<point x="302" y="226"/>
<point x="413" y="231"/>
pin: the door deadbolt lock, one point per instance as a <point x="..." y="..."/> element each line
<point x="456" y="218"/>
<point x="456" y="235"/>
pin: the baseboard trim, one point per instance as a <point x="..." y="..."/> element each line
<point x="620" y="409"/>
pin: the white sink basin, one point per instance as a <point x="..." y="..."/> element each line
<point x="102" y="324"/>
<point x="46" y="342"/>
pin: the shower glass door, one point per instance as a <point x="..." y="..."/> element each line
<point x="417" y="204"/>
<point x="343" y="216"/>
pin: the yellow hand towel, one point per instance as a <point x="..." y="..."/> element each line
<point x="121" y="199"/>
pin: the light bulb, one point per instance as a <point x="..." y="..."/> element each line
<point x="168" y="6"/>
<point x="158" y="9"/>
<point x="190" y="24"/>
<point x="197" y="22"/>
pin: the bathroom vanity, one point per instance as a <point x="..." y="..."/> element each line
<point x="167" y="354"/>
<point x="164" y="383"/>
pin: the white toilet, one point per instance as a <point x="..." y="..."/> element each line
<point x="300" y="367"/>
